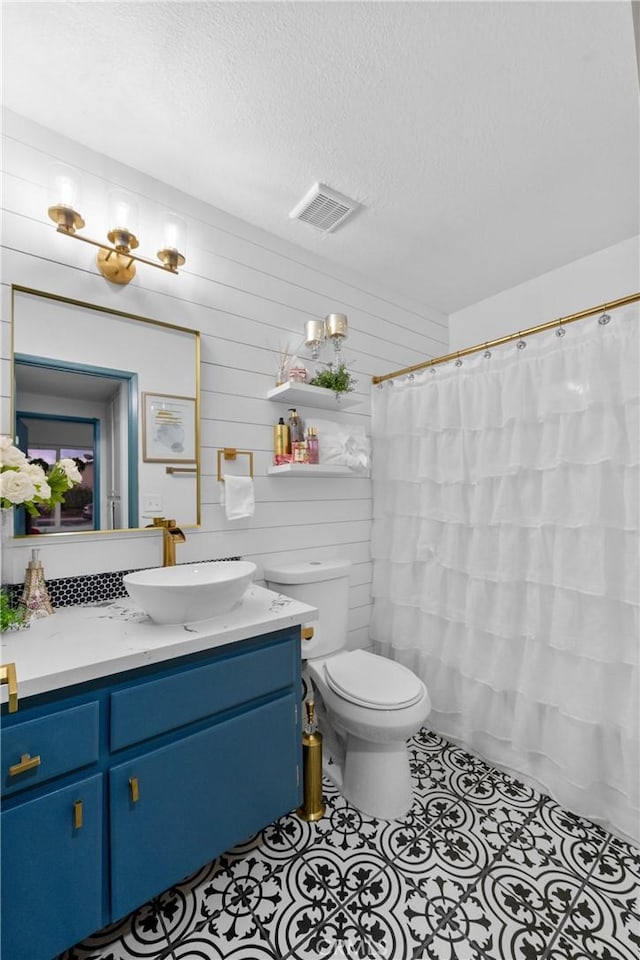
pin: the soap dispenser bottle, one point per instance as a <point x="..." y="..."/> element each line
<point x="35" y="599"/>
<point x="281" y="439"/>
<point x="296" y="429"/>
<point x="313" y="451"/>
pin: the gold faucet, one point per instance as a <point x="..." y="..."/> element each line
<point x="171" y="534"/>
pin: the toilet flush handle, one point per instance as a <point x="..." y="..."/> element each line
<point x="306" y="633"/>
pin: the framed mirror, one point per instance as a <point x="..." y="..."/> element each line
<point x="119" y="394"/>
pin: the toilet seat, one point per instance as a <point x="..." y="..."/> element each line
<point x="371" y="681"/>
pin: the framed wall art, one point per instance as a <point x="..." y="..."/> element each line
<point x="168" y="428"/>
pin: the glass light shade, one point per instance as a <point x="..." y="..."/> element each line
<point x="123" y="212"/>
<point x="174" y="234"/>
<point x="336" y="325"/>
<point x="314" y="337"/>
<point x="314" y="331"/>
<point x="63" y="187"/>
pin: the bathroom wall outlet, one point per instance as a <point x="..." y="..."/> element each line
<point x="151" y="504"/>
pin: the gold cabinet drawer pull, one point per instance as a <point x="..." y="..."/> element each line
<point x="27" y="762"/>
<point x="134" y="788"/>
<point x="77" y="815"/>
<point x="306" y="633"/>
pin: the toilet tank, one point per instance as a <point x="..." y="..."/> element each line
<point x="323" y="584"/>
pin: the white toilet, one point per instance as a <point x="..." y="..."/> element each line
<point x="371" y="704"/>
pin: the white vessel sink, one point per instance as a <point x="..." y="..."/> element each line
<point x="190" y="592"/>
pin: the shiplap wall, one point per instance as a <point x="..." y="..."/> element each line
<point x="249" y="293"/>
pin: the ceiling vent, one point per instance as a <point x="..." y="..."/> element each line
<point x="323" y="208"/>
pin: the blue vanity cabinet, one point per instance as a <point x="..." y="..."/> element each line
<point x="174" y="808"/>
<point x="51" y="829"/>
<point x="142" y="778"/>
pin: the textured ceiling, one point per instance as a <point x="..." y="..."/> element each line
<point x="487" y="142"/>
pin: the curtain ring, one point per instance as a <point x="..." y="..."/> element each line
<point x="458" y="361"/>
<point x="521" y="344"/>
<point x="487" y="352"/>
<point x="604" y="317"/>
<point x="560" y="331"/>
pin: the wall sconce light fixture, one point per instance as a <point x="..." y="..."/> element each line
<point x="334" y="327"/>
<point x="115" y="262"/>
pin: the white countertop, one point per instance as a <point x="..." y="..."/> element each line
<point x="86" y="642"/>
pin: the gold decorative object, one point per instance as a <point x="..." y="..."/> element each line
<point x="116" y="263"/>
<point x="313" y="806"/>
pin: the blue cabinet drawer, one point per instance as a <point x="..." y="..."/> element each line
<point x="158" y="706"/>
<point x="63" y="741"/>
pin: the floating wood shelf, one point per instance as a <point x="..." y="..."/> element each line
<point x="304" y="394"/>
<point x="313" y="470"/>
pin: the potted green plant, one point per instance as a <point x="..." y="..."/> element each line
<point x="335" y="377"/>
<point x="10" y="617"/>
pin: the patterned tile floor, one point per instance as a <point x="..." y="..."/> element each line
<point x="481" y="868"/>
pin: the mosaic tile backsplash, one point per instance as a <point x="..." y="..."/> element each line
<point x="89" y="588"/>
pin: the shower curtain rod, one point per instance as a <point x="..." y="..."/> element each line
<point x="610" y="305"/>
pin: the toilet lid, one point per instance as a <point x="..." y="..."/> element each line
<point x="372" y="681"/>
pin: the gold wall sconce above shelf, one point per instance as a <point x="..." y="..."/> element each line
<point x="230" y="453"/>
<point x="334" y="327"/>
<point x="115" y="260"/>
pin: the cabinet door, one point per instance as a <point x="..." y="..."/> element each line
<point x="176" y="808"/>
<point x="52" y="871"/>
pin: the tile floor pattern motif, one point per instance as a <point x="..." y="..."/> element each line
<point x="481" y="868"/>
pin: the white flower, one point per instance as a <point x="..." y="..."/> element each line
<point x="43" y="489"/>
<point x="28" y="484"/>
<point x="17" y="486"/>
<point x="37" y="474"/>
<point x="70" y="468"/>
<point x="10" y="456"/>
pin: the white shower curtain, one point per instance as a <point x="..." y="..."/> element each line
<point x="506" y="553"/>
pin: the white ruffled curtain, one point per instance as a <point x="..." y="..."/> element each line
<point x="506" y="553"/>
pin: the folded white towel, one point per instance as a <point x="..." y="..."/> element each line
<point x="237" y="497"/>
<point x="341" y="443"/>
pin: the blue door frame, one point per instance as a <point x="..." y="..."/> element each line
<point x="131" y="380"/>
<point x="20" y="431"/>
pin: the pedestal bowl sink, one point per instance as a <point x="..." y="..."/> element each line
<point x="190" y="592"/>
